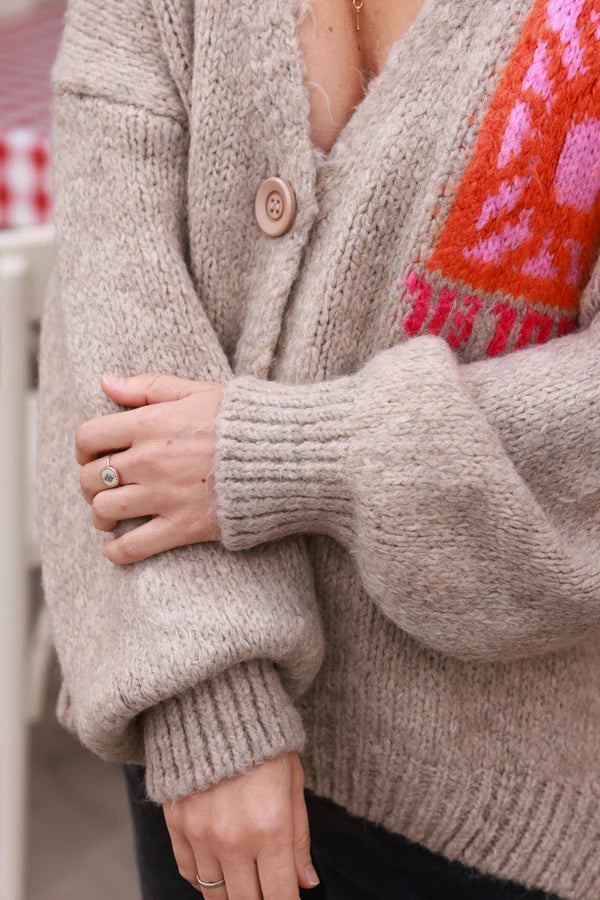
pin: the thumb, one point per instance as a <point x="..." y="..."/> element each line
<point x="307" y="876"/>
<point x="150" y="387"/>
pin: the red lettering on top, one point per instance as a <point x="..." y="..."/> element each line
<point x="442" y="311"/>
<point x="533" y="319"/>
<point x="464" y="321"/>
<point x="507" y="316"/>
<point x="419" y="286"/>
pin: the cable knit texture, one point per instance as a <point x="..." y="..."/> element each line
<point x="407" y="465"/>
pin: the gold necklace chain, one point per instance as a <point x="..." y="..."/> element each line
<point x="358" y="5"/>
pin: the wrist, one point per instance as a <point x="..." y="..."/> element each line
<point x="281" y="460"/>
<point x="221" y="727"/>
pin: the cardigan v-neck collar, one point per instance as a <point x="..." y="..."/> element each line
<point x="391" y="131"/>
<point x="293" y="10"/>
<point x="376" y="83"/>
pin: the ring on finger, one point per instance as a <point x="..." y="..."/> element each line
<point x="109" y="475"/>
<point x="210" y="884"/>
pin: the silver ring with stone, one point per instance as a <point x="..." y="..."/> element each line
<point x="109" y="475"/>
<point x="209" y="884"/>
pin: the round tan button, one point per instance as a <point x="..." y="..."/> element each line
<point x="275" y="206"/>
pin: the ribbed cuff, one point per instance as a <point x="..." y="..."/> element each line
<point x="282" y="458"/>
<point x="220" y="728"/>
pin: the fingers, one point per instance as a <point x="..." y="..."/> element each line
<point x="305" y="871"/>
<point x="146" y="540"/>
<point x="190" y="864"/>
<point x="150" y="387"/>
<point x="186" y="862"/>
<point x="117" y="431"/>
<point x="128" y="502"/>
<point x="209" y="869"/>
<point x="243" y="828"/>
<point x="277" y="871"/>
<point x="114" y="431"/>
<point x="195" y="858"/>
<point x="241" y="880"/>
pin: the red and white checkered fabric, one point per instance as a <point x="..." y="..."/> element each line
<point x="25" y="178"/>
<point x="28" y="46"/>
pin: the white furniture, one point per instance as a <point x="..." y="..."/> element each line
<point x="26" y="259"/>
<point x="9" y="7"/>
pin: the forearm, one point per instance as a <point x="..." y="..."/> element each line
<point x="466" y="493"/>
<point x="131" y="638"/>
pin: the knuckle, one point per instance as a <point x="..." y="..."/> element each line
<point x="101" y="517"/>
<point x="228" y="838"/>
<point x="196" y="834"/>
<point x="185" y="872"/>
<point x="95" y="520"/>
<point x="151" y="386"/>
<point x="195" y="829"/>
<point x="154" y="378"/>
<point x="150" y="453"/>
<point x="272" y="826"/>
<point x="81" y="438"/>
<point x="82" y="482"/>
<point x="126" y="551"/>
<point x="98" y="503"/>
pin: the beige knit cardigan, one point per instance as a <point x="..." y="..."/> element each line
<point x="407" y="590"/>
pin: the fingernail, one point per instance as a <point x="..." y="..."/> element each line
<point x="113" y="380"/>
<point x="311" y="875"/>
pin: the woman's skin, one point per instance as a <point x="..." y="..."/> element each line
<point x="253" y="829"/>
<point x="340" y="60"/>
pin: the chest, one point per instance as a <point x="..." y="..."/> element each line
<point x="340" y="60"/>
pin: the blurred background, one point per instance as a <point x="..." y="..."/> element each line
<point x="64" y="824"/>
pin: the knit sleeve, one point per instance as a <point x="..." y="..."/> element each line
<point x="188" y="662"/>
<point x="467" y="494"/>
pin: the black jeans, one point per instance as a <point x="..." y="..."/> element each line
<point x="355" y="859"/>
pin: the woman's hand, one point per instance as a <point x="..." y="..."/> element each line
<point x="165" y="467"/>
<point x="251" y="830"/>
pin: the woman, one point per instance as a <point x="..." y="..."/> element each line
<point x="351" y="473"/>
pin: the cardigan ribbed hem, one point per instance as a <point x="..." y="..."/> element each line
<point x="508" y="824"/>
<point x="281" y="460"/>
<point x="220" y="728"/>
